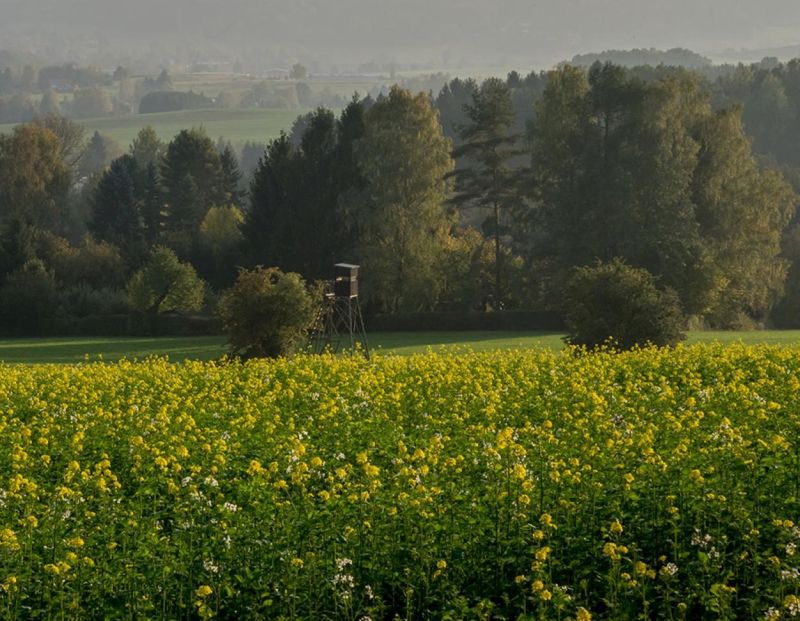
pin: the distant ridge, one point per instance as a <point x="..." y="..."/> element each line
<point x="677" y="57"/>
<point x="783" y="53"/>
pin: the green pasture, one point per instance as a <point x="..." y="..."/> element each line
<point x="238" y="126"/>
<point x="78" y="349"/>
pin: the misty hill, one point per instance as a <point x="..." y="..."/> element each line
<point x="449" y="33"/>
<point x="676" y="57"/>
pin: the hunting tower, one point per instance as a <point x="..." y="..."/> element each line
<point x="340" y="324"/>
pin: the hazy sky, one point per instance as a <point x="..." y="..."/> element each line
<point x="536" y="32"/>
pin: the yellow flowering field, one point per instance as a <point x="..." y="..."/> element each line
<point x="519" y="485"/>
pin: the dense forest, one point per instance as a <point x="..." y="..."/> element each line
<point x="484" y="196"/>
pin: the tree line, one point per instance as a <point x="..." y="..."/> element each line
<point x="472" y="200"/>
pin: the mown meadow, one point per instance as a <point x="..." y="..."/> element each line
<point x="658" y="484"/>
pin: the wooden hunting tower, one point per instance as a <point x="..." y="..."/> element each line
<point x="345" y="284"/>
<point x="339" y="324"/>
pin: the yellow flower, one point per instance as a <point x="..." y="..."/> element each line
<point x="441" y="564"/>
<point x="204" y="591"/>
<point x="610" y="549"/>
<point x="616" y="528"/>
<point x="546" y="520"/>
<point x="371" y="471"/>
<point x="297" y="562"/>
<point x="50" y="568"/>
<point x="255" y="467"/>
<point x="583" y="615"/>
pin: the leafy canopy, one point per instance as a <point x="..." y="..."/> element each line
<point x="165" y="284"/>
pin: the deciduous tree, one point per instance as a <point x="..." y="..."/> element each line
<point x="404" y="159"/>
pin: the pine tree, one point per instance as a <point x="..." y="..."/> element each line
<point x="487" y="179"/>
<point x="230" y="176"/>
<point x="116" y="215"/>
<point x="192" y="180"/>
<point x="152" y="203"/>
<point x="147" y="148"/>
<point x="265" y="220"/>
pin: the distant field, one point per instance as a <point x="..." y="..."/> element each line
<point x="77" y="349"/>
<point x="210" y="84"/>
<point x="238" y="126"/>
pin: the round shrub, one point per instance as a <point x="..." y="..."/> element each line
<point x="267" y="313"/>
<point x="166" y="284"/>
<point x="616" y="304"/>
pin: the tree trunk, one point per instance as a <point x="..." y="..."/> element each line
<point x="497" y="299"/>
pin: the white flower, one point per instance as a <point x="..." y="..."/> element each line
<point x="343" y="579"/>
<point x="701" y="542"/>
<point x="771" y="614"/>
<point x="210" y="566"/>
<point x="670" y="569"/>
<point x="229" y="506"/>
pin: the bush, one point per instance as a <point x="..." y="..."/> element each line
<point x="267" y="313"/>
<point x="165" y="284"/>
<point x="28" y="300"/>
<point x="614" y="302"/>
